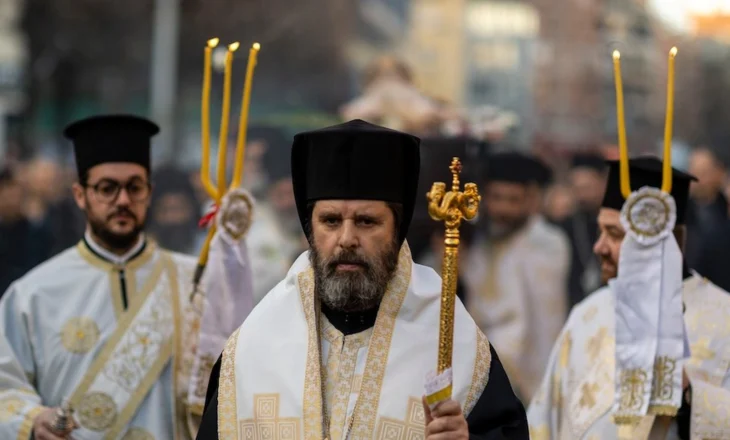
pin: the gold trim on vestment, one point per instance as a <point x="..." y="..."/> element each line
<point x="343" y="375"/>
<point x="153" y="375"/>
<point x="179" y="414"/>
<point x="116" y="290"/>
<point x="123" y="326"/>
<point x="26" y="426"/>
<point x="129" y="272"/>
<point x="379" y="347"/>
<point x="227" y="410"/>
<point x="368" y="400"/>
<point x="312" y="397"/>
<point x="336" y="341"/>
<point x="480" y="378"/>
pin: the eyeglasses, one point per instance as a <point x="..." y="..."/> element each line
<point x="107" y="190"/>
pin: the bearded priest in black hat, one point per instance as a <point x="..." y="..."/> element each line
<point x="99" y="330"/>
<point x="341" y="347"/>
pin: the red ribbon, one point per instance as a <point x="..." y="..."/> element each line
<point x="208" y="217"/>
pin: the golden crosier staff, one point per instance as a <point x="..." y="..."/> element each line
<point x="218" y="191"/>
<point x="451" y="207"/>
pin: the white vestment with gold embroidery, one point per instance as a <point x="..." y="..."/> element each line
<point x="272" y="369"/>
<point x="517" y="294"/>
<point x="577" y="392"/>
<point x="62" y="317"/>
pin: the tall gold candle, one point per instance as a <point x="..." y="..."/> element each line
<point x="667" y="162"/>
<point x="243" y="121"/>
<point x="205" y="121"/>
<point x="621" y="124"/>
<point x="225" y="117"/>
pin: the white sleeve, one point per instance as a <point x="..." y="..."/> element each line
<point x="19" y="401"/>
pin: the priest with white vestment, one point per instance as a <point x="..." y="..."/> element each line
<point x="94" y="342"/>
<point x="646" y="356"/>
<point x="341" y="347"/>
<point x="517" y="272"/>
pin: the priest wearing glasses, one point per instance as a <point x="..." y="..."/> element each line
<point x="340" y="348"/>
<point x="100" y="330"/>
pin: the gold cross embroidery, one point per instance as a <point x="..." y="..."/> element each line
<point x="413" y="428"/>
<point x="593" y="346"/>
<point x="632" y="387"/>
<point x="266" y="424"/>
<point x="588" y="395"/>
<point x="663" y="374"/>
<point x="701" y="350"/>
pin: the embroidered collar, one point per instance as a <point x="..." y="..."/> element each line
<point x="119" y="260"/>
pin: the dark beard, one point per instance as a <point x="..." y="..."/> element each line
<point x="353" y="291"/>
<point x="112" y="240"/>
<point x="507" y="229"/>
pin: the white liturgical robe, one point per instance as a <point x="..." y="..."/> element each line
<point x="105" y="337"/>
<point x="576" y="397"/>
<point x="287" y="359"/>
<point x="517" y="294"/>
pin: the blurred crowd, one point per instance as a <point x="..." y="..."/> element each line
<point x="535" y="233"/>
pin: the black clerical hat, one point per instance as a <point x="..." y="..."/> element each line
<point x="277" y="157"/>
<point x="512" y="167"/>
<point x="356" y="161"/>
<point x="542" y="174"/>
<point x="111" y="138"/>
<point x="646" y="171"/>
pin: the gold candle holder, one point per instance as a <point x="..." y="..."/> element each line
<point x="216" y="192"/>
<point x="451" y="207"/>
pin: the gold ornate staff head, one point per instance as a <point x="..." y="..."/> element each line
<point x="451" y="207"/>
<point x="217" y="192"/>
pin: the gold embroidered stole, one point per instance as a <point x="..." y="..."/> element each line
<point x="299" y="409"/>
<point x="133" y="358"/>
<point x="365" y="412"/>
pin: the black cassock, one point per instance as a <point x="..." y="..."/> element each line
<point x="498" y="414"/>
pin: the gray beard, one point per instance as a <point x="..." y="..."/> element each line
<point x="353" y="291"/>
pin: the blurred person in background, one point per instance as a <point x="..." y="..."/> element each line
<point x="587" y="182"/>
<point x="23" y="244"/>
<point x="516" y="278"/>
<point x="100" y="326"/>
<point x="390" y="98"/>
<point x="50" y="203"/>
<point x="174" y="212"/>
<point x="559" y="203"/>
<point x="275" y="239"/>
<point x="707" y="216"/>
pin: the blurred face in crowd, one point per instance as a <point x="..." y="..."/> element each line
<point x="115" y="198"/>
<point x="281" y="198"/>
<point x="711" y="174"/>
<point x="11" y="200"/>
<point x="588" y="186"/>
<point x="508" y="207"/>
<point x="608" y="245"/>
<point x="44" y="179"/>
<point x="354" y="252"/>
<point x="559" y="203"/>
<point x="174" y="221"/>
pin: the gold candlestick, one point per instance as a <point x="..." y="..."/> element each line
<point x="216" y="192"/>
<point x="451" y="207"/>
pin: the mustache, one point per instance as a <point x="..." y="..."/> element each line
<point x="347" y="257"/>
<point x="122" y="211"/>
